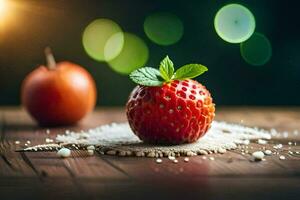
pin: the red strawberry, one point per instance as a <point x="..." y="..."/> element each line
<point x="170" y="112"/>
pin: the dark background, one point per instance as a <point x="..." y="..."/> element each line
<point x="60" y="23"/>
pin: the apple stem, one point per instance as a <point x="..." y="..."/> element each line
<point x="51" y="64"/>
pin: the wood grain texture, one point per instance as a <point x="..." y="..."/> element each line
<point x="39" y="175"/>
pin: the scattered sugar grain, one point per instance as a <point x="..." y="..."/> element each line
<point x="140" y="154"/>
<point x="171" y="157"/>
<point x="204" y="157"/>
<point x="258" y="155"/>
<point x="17" y="142"/>
<point x="122" y="153"/>
<point x="278" y="146"/>
<point x="273" y="132"/>
<point x="221" y="150"/>
<point x="91" y="147"/>
<point x="261" y="141"/>
<point x="158" y="160"/>
<point x="190" y="153"/>
<point x="282" y="157"/>
<point x="285" y="134"/>
<point x="151" y="154"/>
<point x="267" y="136"/>
<point x="48" y="140"/>
<point x="186" y="159"/>
<point x="246" y="142"/>
<point x="175" y="161"/>
<point x="64" y="152"/>
<point x="90" y="152"/>
<point x="211" y="158"/>
<point x="202" y="152"/>
<point x="268" y="152"/>
<point x="290" y="143"/>
<point x="111" y="152"/>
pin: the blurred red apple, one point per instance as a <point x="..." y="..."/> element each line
<point x="58" y="94"/>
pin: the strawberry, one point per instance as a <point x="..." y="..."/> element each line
<point x="168" y="107"/>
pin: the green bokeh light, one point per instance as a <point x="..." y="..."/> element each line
<point x="163" y="28"/>
<point x="234" y="23"/>
<point x="95" y="38"/>
<point x="113" y="46"/>
<point x="257" y="50"/>
<point x="134" y="55"/>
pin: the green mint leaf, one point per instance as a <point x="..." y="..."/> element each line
<point x="147" y="76"/>
<point x="166" y="68"/>
<point x="189" y="71"/>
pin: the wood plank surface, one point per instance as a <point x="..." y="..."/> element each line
<point x="232" y="175"/>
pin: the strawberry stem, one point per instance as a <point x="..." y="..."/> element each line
<point x="51" y="64"/>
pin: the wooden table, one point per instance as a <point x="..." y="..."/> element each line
<point x="42" y="175"/>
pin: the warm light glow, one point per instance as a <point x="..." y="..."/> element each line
<point x="3" y="8"/>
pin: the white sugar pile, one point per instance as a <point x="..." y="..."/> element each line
<point x="118" y="139"/>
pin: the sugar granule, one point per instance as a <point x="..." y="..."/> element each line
<point x="119" y="137"/>
<point x="258" y="155"/>
<point x="64" y="152"/>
